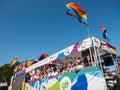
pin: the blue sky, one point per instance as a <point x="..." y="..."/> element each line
<point x="32" y="27"/>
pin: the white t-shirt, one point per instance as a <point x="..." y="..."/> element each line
<point x="79" y="67"/>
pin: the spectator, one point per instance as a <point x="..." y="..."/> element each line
<point x="80" y="65"/>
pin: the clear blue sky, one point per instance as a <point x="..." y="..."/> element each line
<point x="32" y="27"/>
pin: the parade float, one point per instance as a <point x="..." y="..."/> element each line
<point x="92" y="75"/>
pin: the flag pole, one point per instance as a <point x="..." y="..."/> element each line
<point x="88" y="31"/>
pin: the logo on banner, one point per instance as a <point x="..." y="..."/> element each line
<point x="80" y="44"/>
<point x="97" y="42"/>
<point x="27" y="87"/>
<point x="65" y="83"/>
<point x="43" y="86"/>
<point x="37" y="85"/>
<point x="66" y="52"/>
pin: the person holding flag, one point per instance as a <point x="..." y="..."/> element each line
<point x="105" y="35"/>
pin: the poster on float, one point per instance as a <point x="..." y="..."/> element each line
<point x="85" y="79"/>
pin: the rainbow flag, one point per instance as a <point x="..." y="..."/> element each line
<point x="16" y="68"/>
<point x="29" y="63"/>
<point x="14" y="63"/>
<point x="43" y="56"/>
<point x="73" y="9"/>
<point x="105" y="35"/>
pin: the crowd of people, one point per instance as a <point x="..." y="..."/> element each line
<point x="56" y="68"/>
<point x="53" y="69"/>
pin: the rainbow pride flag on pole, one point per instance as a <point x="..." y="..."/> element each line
<point x="14" y="63"/>
<point x="73" y="9"/>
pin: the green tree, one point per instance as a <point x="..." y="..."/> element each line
<point x="5" y="73"/>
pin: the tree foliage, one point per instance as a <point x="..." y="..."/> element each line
<point x="5" y="73"/>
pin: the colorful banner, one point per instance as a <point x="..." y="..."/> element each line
<point x="75" y="48"/>
<point x="86" y="79"/>
<point x="104" y="46"/>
